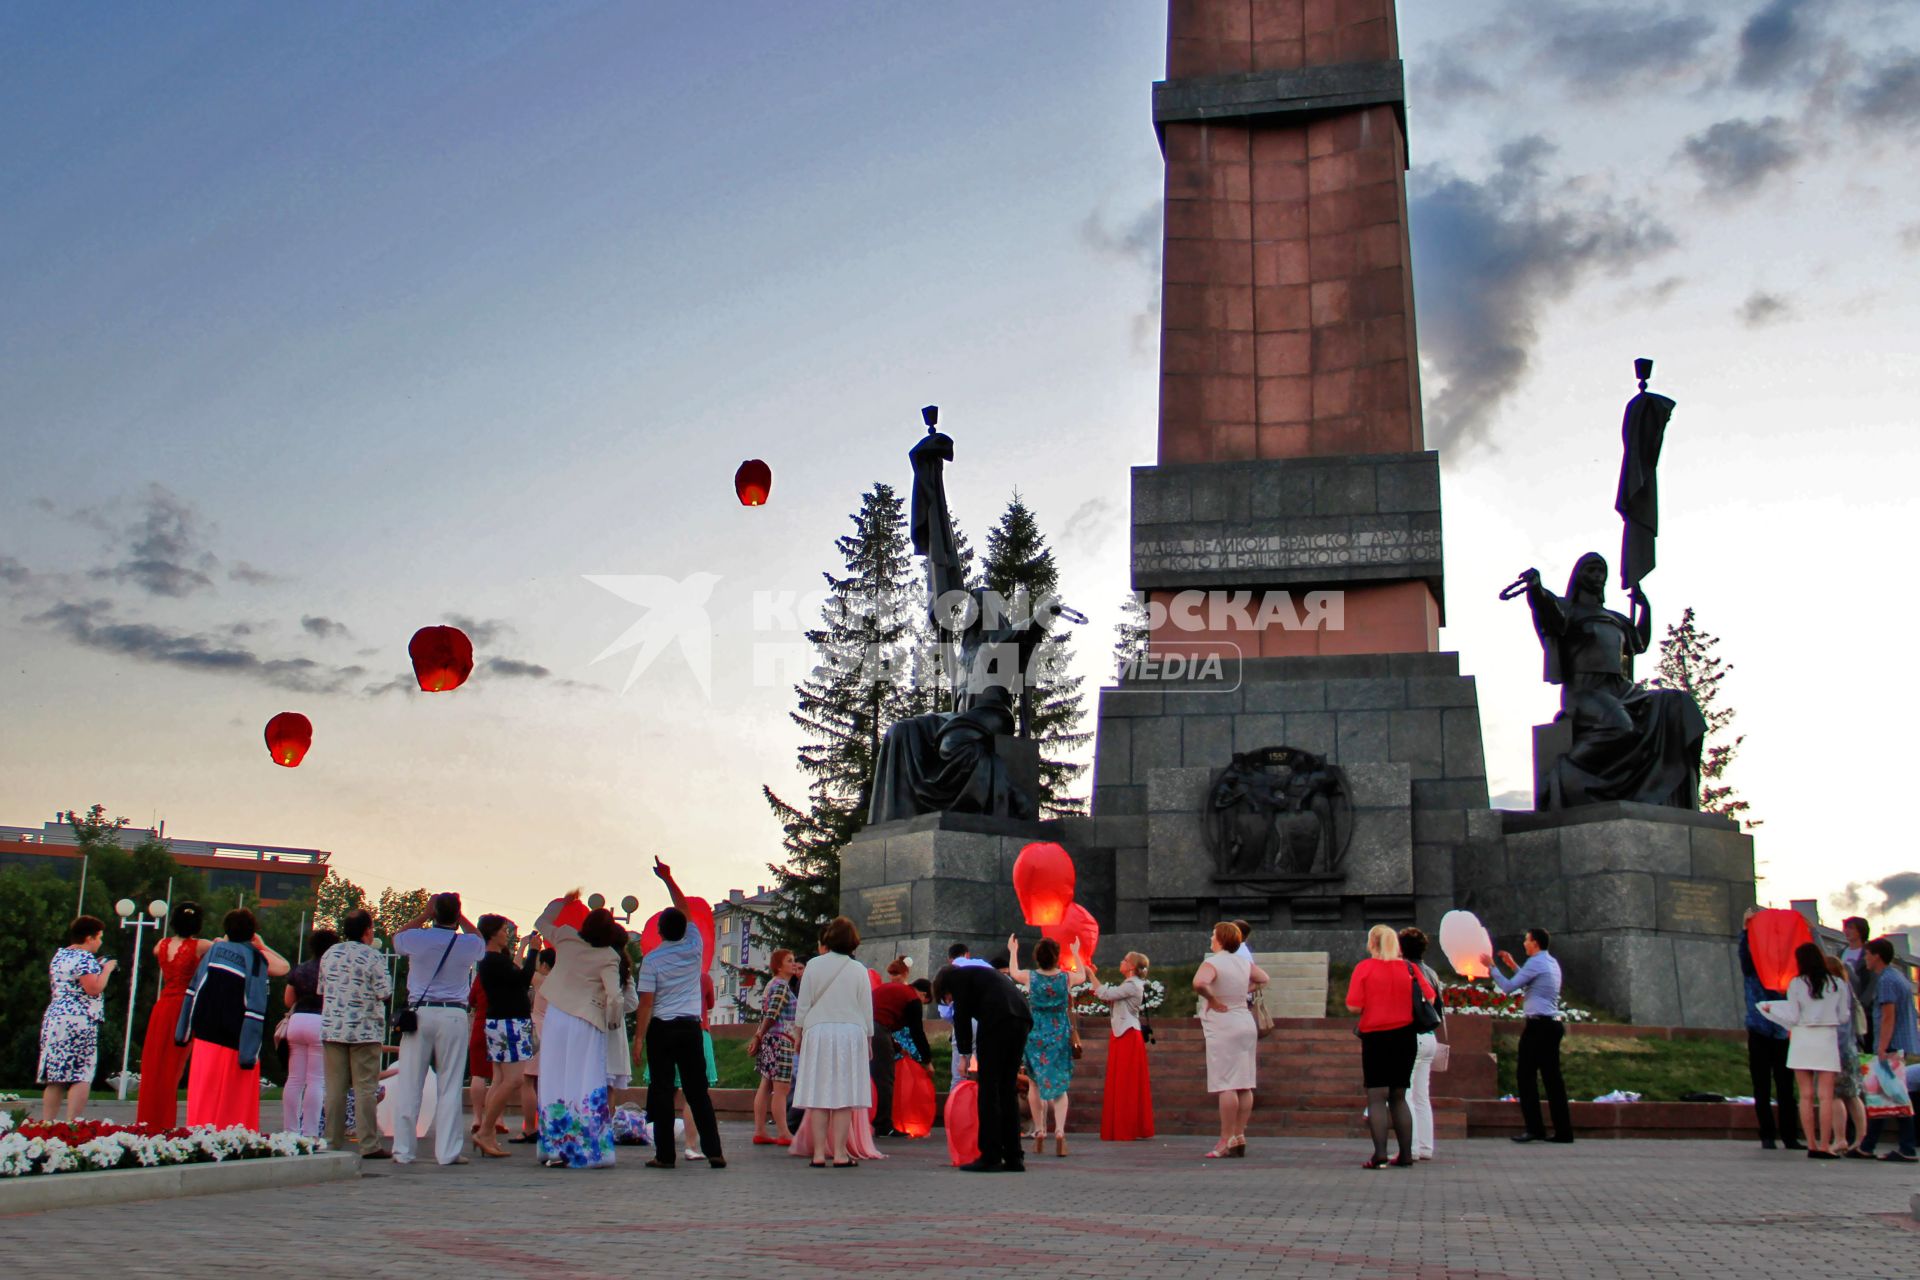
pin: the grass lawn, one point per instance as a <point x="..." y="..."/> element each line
<point x="1657" y="1070"/>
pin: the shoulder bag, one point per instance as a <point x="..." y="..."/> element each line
<point x="1425" y="1016"/>
<point x="409" y="1020"/>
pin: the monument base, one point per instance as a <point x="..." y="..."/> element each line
<point x="1644" y="904"/>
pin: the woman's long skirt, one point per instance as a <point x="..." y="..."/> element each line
<point x="1126" y="1108"/>
<point x="576" y="1113"/>
<point x="162" y="1065"/>
<point x="219" y="1091"/>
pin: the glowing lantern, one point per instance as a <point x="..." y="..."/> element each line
<point x="1464" y="940"/>
<point x="1772" y="938"/>
<point x="1043" y="881"/>
<point x="1077" y="926"/>
<point x="753" y="482"/>
<point x="442" y="658"/>
<point x="912" y="1098"/>
<point x="289" y="734"/>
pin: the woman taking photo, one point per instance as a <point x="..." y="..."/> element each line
<point x="306" y="1088"/>
<point x="507" y="1030"/>
<point x="1225" y="982"/>
<point x="70" y="1028"/>
<point x="163" y="1064"/>
<point x="1049" y="1057"/>
<point x="224" y="1015"/>
<point x="772" y="1051"/>
<point x="834" y="1027"/>
<point x="1126" y="1106"/>
<point x="583" y="1003"/>
<point x="1381" y="992"/>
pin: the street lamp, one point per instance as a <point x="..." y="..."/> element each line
<point x="125" y="908"/>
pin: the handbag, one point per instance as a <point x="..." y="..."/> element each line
<point x="1425" y="1016"/>
<point x="1262" y="1020"/>
<point x="409" y="1020"/>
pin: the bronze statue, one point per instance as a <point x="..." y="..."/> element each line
<point x="1278" y="812"/>
<point x="1629" y="742"/>
<point x="1637" y="499"/>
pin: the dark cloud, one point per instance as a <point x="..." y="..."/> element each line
<point x="13" y="573"/>
<point x="1491" y="257"/>
<point x="1137" y="240"/>
<point x="1606" y="50"/>
<point x="482" y="631"/>
<point x="515" y="667"/>
<point x="91" y="624"/>
<point x="1090" y="524"/>
<point x="1891" y="92"/>
<point x="1899" y="889"/>
<point x="163" y="551"/>
<point x="1735" y="156"/>
<point x="1763" y="308"/>
<point x="1776" y="42"/>
<point x="1445" y="78"/>
<point x="245" y="573"/>
<point x="323" y="628"/>
<point x="1889" y="893"/>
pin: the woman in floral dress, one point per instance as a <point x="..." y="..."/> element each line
<point x="1049" y="1059"/>
<point x="70" y="1029"/>
<point x="772" y="1052"/>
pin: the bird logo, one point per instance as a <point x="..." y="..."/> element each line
<point x="676" y="612"/>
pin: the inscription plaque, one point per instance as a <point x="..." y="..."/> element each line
<point x="1287" y="550"/>
<point x="887" y="908"/>
<point x="1694" y="906"/>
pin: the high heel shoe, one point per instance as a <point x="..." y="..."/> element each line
<point x="489" y="1151"/>
<point x="1237" y="1148"/>
<point x="1220" y="1152"/>
<point x="1060" y="1144"/>
<point x="1039" y="1143"/>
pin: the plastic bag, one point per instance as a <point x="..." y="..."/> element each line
<point x="963" y="1122"/>
<point x="1884" y="1090"/>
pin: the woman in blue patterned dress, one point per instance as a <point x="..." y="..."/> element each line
<point x="70" y="1029"/>
<point x="1050" y="1045"/>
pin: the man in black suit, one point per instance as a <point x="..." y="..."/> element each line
<point x="988" y="998"/>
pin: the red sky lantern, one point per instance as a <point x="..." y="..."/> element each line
<point x="1043" y="881"/>
<point x="442" y="658"/>
<point x="1773" y="936"/>
<point x="573" y="914"/>
<point x="289" y="734"/>
<point x="699" y="915"/>
<point x="1078" y="925"/>
<point x="753" y="482"/>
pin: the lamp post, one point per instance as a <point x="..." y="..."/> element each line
<point x="156" y="911"/>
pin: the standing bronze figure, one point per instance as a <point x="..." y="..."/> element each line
<point x="1637" y="499"/>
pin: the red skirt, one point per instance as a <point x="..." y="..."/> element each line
<point x="1126" y="1110"/>
<point x="162" y="1063"/>
<point x="219" y="1093"/>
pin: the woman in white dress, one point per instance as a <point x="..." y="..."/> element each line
<point x="834" y="1027"/>
<point x="1816" y="1004"/>
<point x="1224" y="983"/>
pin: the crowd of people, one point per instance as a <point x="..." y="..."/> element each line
<point x="541" y="1021"/>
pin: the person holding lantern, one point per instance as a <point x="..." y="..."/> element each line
<point x="1226" y="983"/>
<point x="225" y="1015"/>
<point x="583" y="1003"/>
<point x="991" y="1022"/>
<point x="1049" y="1052"/>
<point x="70" y="1028"/>
<point x="1126" y="1104"/>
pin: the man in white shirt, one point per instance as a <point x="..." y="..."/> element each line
<point x="670" y="1009"/>
<point x="441" y="948"/>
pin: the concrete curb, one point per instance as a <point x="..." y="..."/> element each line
<point x="40" y="1193"/>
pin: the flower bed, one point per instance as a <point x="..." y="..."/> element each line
<point x="93" y="1145"/>
<point x="1485" y="998"/>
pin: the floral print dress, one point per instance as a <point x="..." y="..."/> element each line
<point x="1050" y="1045"/>
<point x="70" y="1030"/>
<point x="775" y="1057"/>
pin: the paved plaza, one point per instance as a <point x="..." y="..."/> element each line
<point x="1292" y="1208"/>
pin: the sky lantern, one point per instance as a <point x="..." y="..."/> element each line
<point x="913" y="1098"/>
<point x="753" y="482"/>
<point x="289" y="734"/>
<point x="442" y="658"/>
<point x="699" y="918"/>
<point x="1465" y="940"/>
<point x="1773" y="936"/>
<point x="1076" y="926"/>
<point x="1043" y="881"/>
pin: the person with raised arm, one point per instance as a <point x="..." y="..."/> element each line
<point x="670" y="1010"/>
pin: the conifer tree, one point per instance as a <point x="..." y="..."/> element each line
<point x="1130" y="633"/>
<point x="867" y="642"/>
<point x="1688" y="663"/>
<point x="1020" y="568"/>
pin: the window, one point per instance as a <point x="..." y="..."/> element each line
<point x="65" y="868"/>
<point x="279" y="886"/>
<point x="726" y="954"/>
<point x="227" y="878"/>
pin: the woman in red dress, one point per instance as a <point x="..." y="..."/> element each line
<point x="1126" y="1106"/>
<point x="162" y="1062"/>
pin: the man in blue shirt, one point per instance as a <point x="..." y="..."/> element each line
<point x="1767" y="1056"/>
<point x="1539" y="979"/>
<point x="670" y="1009"/>
<point x="1894" y="1034"/>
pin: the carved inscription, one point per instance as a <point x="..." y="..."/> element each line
<point x="1287" y="550"/>
<point x="887" y="908"/>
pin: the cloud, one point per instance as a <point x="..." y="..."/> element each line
<point x="1605" y="51"/>
<point x="1763" y="308"/>
<point x="1877" y="897"/>
<point x="1910" y="237"/>
<point x="322" y="628"/>
<point x="1891" y="94"/>
<point x="1516" y="799"/>
<point x="163" y="553"/>
<point x="1090" y="523"/>
<point x="244" y="573"/>
<point x="13" y="573"/>
<point x="1444" y="78"/>
<point x="482" y="631"/>
<point x="1776" y="42"/>
<point x="1137" y="241"/>
<point x="1735" y="156"/>
<point x="515" y="667"/>
<point x="91" y="624"/>
<point x="1492" y="256"/>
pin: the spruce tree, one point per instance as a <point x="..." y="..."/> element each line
<point x="1130" y="634"/>
<point x="1688" y="663"/>
<point x="871" y="629"/>
<point x="1019" y="564"/>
